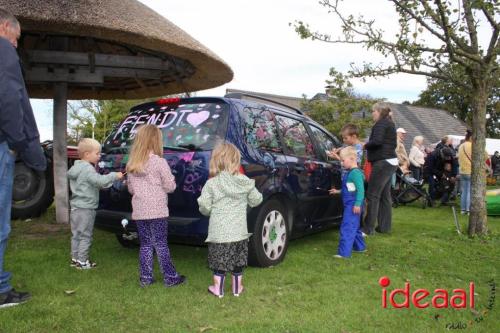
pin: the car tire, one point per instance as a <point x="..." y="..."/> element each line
<point x="271" y="234"/>
<point x="32" y="191"/>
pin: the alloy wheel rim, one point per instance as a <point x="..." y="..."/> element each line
<point x="274" y="234"/>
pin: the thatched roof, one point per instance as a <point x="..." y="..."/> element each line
<point x="115" y="27"/>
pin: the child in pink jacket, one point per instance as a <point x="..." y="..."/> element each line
<point x="149" y="182"/>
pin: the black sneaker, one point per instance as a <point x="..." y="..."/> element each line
<point x="12" y="298"/>
<point x="181" y="280"/>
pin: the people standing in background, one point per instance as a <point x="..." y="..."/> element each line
<point x="417" y="157"/>
<point x="495" y="164"/>
<point x="465" y="166"/>
<point x="403" y="160"/>
<point x="381" y="152"/>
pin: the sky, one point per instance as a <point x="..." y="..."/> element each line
<point x="254" y="38"/>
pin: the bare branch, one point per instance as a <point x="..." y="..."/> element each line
<point x="495" y="25"/>
<point x="471" y="27"/>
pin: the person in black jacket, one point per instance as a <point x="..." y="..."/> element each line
<point x="18" y="138"/>
<point x="495" y="164"/>
<point x="381" y="152"/>
<point x="441" y="172"/>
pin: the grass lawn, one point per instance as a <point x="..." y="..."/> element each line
<point x="309" y="292"/>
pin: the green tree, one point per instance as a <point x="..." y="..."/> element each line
<point x="431" y="35"/>
<point x="92" y="118"/>
<point x="444" y="94"/>
<point x="341" y="103"/>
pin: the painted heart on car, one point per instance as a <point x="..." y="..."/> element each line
<point x="196" y="119"/>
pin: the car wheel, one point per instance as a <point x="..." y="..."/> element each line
<point x="32" y="192"/>
<point x="269" y="242"/>
<point x="130" y="240"/>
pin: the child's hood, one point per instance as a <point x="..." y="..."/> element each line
<point x="234" y="184"/>
<point x="77" y="169"/>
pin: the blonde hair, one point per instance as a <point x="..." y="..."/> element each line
<point x="417" y="139"/>
<point x="348" y="152"/>
<point x="225" y="157"/>
<point x="148" y="139"/>
<point x="383" y="108"/>
<point x="87" y="145"/>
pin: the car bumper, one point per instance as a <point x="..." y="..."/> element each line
<point x="182" y="229"/>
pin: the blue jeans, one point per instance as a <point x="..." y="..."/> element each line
<point x="7" y="162"/>
<point x="465" y="192"/>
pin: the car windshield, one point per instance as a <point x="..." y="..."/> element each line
<point x="196" y="126"/>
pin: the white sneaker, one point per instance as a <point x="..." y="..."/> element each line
<point x="85" y="265"/>
<point x="338" y="256"/>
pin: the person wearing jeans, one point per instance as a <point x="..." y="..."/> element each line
<point x="18" y="138"/>
<point x="465" y="193"/>
<point x="7" y="161"/>
<point x="465" y="163"/>
<point x="381" y="152"/>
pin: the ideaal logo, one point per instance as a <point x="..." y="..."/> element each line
<point x="460" y="299"/>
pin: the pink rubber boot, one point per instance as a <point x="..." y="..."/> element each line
<point x="237" y="286"/>
<point x="217" y="289"/>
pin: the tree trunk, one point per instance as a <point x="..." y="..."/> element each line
<point x="478" y="219"/>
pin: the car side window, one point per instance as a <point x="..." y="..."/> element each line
<point x="260" y="130"/>
<point x="325" y="142"/>
<point x="295" y="137"/>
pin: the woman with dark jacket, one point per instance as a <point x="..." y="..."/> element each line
<point x="381" y="152"/>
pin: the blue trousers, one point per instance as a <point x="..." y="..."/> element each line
<point x="465" y="182"/>
<point x="7" y="162"/>
<point x="350" y="233"/>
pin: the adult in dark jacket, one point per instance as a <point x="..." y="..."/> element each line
<point x="381" y="152"/>
<point x="441" y="173"/>
<point x="495" y="164"/>
<point x="18" y="138"/>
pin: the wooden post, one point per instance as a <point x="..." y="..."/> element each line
<point x="60" y="154"/>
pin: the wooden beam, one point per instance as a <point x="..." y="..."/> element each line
<point x="60" y="153"/>
<point x="85" y="76"/>
<point x="105" y="60"/>
<point x="41" y="74"/>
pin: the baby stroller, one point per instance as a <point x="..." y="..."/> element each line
<point x="408" y="190"/>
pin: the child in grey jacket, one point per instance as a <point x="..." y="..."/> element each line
<point x="85" y="184"/>
<point x="225" y="198"/>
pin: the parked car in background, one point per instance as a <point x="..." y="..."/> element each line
<point x="282" y="150"/>
<point x="33" y="191"/>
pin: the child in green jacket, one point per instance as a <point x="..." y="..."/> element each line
<point x="85" y="184"/>
<point x="225" y="198"/>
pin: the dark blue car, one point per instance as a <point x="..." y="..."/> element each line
<point x="282" y="149"/>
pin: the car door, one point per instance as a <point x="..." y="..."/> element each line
<point x="331" y="173"/>
<point x="303" y="168"/>
<point x="262" y="152"/>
